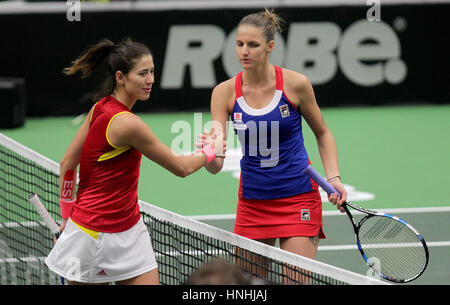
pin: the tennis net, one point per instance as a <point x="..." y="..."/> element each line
<point x="182" y="245"/>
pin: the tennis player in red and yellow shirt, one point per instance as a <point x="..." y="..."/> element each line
<point x="104" y="238"/>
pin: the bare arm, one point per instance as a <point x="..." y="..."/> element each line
<point x="72" y="156"/>
<point x="302" y="89"/>
<point x="129" y="129"/>
<point x="220" y="99"/>
<point x="325" y="140"/>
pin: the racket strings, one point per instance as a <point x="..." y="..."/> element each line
<point x="396" y="251"/>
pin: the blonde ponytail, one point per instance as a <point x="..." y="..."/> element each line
<point x="275" y="20"/>
<point x="269" y="21"/>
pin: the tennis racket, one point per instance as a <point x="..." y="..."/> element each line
<point x="48" y="220"/>
<point x="388" y="244"/>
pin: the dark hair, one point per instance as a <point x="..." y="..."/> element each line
<point x="110" y="56"/>
<point x="267" y="20"/>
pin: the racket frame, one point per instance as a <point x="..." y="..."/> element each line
<point x="372" y="213"/>
<point x="310" y="171"/>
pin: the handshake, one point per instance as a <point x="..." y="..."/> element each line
<point x="212" y="144"/>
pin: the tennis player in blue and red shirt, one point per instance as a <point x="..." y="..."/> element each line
<point x="266" y="103"/>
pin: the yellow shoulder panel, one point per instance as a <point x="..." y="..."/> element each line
<point x="113" y="153"/>
<point x="118" y="150"/>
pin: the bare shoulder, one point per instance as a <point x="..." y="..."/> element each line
<point x="126" y="125"/>
<point x="127" y="117"/>
<point x="296" y="86"/>
<point x="223" y="96"/>
<point x="225" y="88"/>
<point x="295" y="80"/>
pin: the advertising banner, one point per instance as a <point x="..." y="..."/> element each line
<point x="353" y="54"/>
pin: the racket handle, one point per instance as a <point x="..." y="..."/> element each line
<point x="42" y="211"/>
<point x="310" y="171"/>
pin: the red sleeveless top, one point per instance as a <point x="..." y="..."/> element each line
<point x="107" y="198"/>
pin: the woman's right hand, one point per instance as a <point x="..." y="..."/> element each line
<point x="61" y="228"/>
<point x="335" y="198"/>
<point x="217" y="141"/>
<point x="203" y="139"/>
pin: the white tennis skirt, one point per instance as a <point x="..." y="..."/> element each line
<point x="86" y="256"/>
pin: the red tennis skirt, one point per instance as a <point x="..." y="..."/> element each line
<point x="299" y="215"/>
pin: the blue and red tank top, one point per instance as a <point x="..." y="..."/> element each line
<point x="274" y="155"/>
<point x="107" y="199"/>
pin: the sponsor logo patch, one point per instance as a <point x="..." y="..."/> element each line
<point x="284" y="109"/>
<point x="306" y="215"/>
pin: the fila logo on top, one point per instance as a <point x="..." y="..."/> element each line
<point x="284" y="110"/>
<point x="367" y="53"/>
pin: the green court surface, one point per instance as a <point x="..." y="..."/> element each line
<point x="390" y="158"/>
